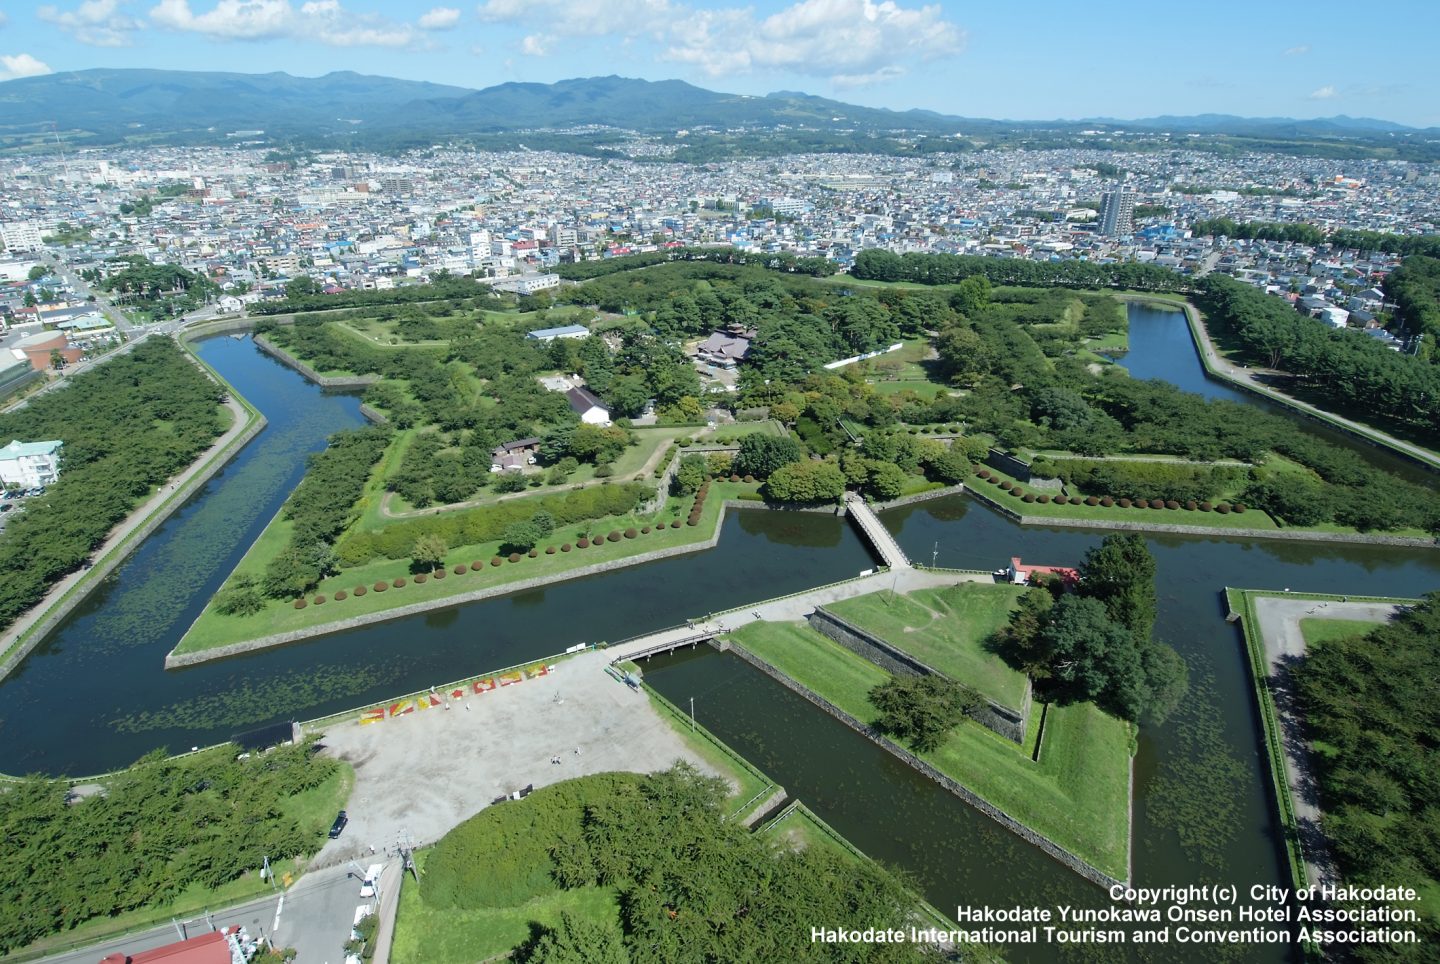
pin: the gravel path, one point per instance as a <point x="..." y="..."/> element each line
<point x="1279" y="627"/>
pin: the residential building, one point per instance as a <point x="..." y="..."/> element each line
<point x="591" y="410"/>
<point x="20" y="236"/>
<point x="30" y="464"/>
<point x="528" y="284"/>
<point x="1117" y="212"/>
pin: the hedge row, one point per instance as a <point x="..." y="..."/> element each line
<point x="461" y="568"/>
<point x="1224" y="508"/>
<point x="465" y="527"/>
<point x="699" y="506"/>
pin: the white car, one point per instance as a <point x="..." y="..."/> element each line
<point x="372" y="877"/>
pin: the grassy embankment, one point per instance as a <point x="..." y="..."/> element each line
<point x="213" y="629"/>
<point x="946" y="629"/>
<point x="1077" y="795"/>
<point x="463" y="935"/>
<point x="1000" y="495"/>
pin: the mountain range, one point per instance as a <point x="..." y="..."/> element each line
<point x="112" y="105"/>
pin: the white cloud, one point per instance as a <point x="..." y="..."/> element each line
<point x="1328" y="92"/>
<point x="850" y="81"/>
<point x="99" y="23"/>
<point x="3" y="18"/>
<point x="1297" y="50"/>
<point x="323" y="20"/>
<point x="230" y="20"/>
<point x="585" y="18"/>
<point x="21" y="65"/>
<point x="851" y="41"/>
<point x="440" y="18"/>
<point x="535" y="45"/>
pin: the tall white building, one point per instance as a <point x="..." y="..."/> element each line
<point x="1117" y="212"/>
<point x="30" y="464"/>
<point x="20" y="236"/>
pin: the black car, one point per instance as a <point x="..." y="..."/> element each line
<point x="338" y="827"/>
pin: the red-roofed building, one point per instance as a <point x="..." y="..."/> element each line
<point x="212" y="948"/>
<point x="1021" y="574"/>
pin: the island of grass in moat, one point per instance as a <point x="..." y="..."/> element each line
<point x="469" y="569"/>
<point x="1070" y="781"/>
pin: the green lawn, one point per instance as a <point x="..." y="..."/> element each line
<point x="1077" y="795"/>
<point x="433" y="935"/>
<point x="829" y="669"/>
<point x="1250" y="519"/>
<point x="738" y="430"/>
<point x="213" y="629"/>
<point x="1323" y="630"/>
<point x="925" y="389"/>
<point x="647" y="442"/>
<point x="946" y="629"/>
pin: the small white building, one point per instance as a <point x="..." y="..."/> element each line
<point x="30" y="464"/>
<point x="528" y="284"/>
<point x="591" y="410"/>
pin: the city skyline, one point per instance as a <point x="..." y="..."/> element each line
<point x="1057" y="62"/>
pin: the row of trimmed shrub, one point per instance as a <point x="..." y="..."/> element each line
<point x="461" y="568"/>
<point x="699" y="506"/>
<point x="1190" y="505"/>
<point x="467" y="527"/>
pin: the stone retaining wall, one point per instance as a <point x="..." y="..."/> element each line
<point x="112" y="560"/>
<point x="997" y="717"/>
<point x="373" y="415"/>
<point x="1075" y="863"/>
<point x="175" y="660"/>
<point x="1288" y="535"/>
<point x="324" y="381"/>
<point x="918" y="497"/>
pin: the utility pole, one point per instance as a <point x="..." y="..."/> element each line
<point x="934" y="554"/>
<point x="692" y="714"/>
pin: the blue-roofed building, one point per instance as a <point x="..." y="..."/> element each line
<point x="550" y="334"/>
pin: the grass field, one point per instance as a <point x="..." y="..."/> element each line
<point x="629" y="465"/>
<point x="737" y="431"/>
<point x="212" y="629"/>
<point x="1077" y="795"/>
<point x="946" y="629"/>
<point x="1324" y="630"/>
<point x="1251" y="519"/>
<point x="428" y="935"/>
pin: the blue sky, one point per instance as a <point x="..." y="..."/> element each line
<point x="1035" y="60"/>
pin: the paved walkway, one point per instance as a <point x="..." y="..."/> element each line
<point x="875" y="531"/>
<point x="793" y="608"/>
<point x="131" y="522"/>
<point x="1279" y="629"/>
<point x="1252" y="378"/>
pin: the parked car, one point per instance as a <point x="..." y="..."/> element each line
<point x="338" y="827"/>
<point x="372" y="876"/>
